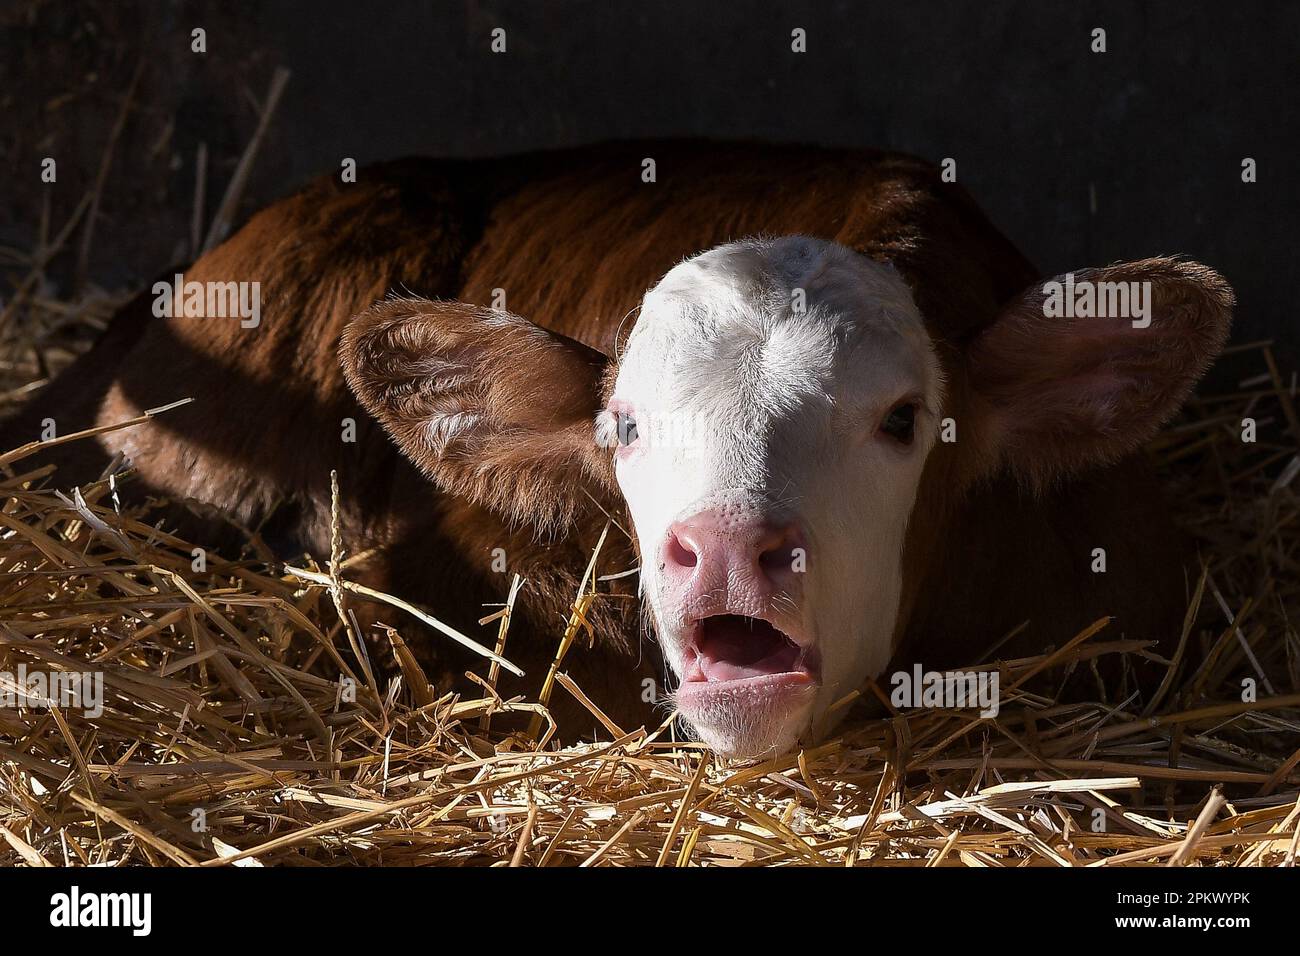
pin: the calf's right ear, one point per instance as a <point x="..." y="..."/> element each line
<point x="491" y="407"/>
<point x="1059" y="394"/>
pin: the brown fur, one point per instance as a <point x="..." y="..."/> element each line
<point x="1004" y="522"/>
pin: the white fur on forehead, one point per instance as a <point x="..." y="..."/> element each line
<point x="733" y="308"/>
<point x="757" y="279"/>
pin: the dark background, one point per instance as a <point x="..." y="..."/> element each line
<point x="1080" y="158"/>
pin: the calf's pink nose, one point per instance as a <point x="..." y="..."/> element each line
<point x="713" y="547"/>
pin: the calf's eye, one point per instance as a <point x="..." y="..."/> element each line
<point x="900" y="424"/>
<point x="626" y="429"/>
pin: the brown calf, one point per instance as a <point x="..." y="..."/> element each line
<point x="401" y="270"/>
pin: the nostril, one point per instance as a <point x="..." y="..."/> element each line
<point x="680" y="552"/>
<point x="777" y="559"/>
<point x="779" y="551"/>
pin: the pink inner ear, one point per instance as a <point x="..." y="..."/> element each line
<point x="1106" y="388"/>
<point x="1036" y="361"/>
<point x="1088" y="405"/>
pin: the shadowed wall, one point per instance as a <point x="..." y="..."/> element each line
<point x="1081" y="158"/>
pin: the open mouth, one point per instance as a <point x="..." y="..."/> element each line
<point x="727" y="649"/>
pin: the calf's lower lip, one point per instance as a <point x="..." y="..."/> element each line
<point x="773" y="692"/>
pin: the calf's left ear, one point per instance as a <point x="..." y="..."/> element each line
<point x="490" y="406"/>
<point x="1059" y="387"/>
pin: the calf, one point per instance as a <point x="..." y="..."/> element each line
<point x="867" y="431"/>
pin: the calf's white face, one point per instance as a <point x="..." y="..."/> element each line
<point x="773" y="410"/>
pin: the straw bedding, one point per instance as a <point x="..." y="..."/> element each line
<point x="227" y="737"/>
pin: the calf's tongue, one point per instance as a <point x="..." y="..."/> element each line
<point x="733" y="648"/>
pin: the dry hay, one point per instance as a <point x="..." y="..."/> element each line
<point x="223" y="695"/>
